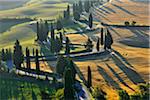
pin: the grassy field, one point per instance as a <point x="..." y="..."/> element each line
<point x="21" y="29"/>
<point x="34" y="8"/>
<point x="17" y="88"/>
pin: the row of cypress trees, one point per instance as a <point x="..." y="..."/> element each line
<point x="6" y="54"/>
<point x="42" y="30"/>
<point x="105" y="39"/>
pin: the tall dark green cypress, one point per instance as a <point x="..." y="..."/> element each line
<point x="72" y="67"/>
<point x="37" y="61"/>
<point x="97" y="44"/>
<point x="3" y="55"/>
<point x="68" y="12"/>
<point x="87" y="6"/>
<point x="28" y="58"/>
<point x="59" y="25"/>
<point x="61" y="37"/>
<point x="38" y="32"/>
<point x="102" y="36"/>
<point x="46" y="29"/>
<point x="52" y="32"/>
<point x="80" y="6"/>
<point x="90" y="21"/>
<point x="69" y="93"/>
<point x="33" y="52"/>
<point x="89" y="82"/>
<point x="67" y="52"/>
<point x="18" y="56"/>
<point x="108" y="40"/>
<point x="9" y="54"/>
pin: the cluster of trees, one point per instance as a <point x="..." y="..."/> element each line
<point x="89" y="45"/>
<point x="18" y="56"/>
<point x="105" y="39"/>
<point x="6" y="54"/>
<point x="108" y="40"/>
<point x="67" y="13"/>
<point x="80" y="7"/>
<point x="142" y="95"/>
<point x="42" y="30"/>
<point x="98" y="93"/>
<point x="76" y="11"/>
<point x="66" y="68"/>
<point x="42" y="34"/>
<point x="127" y="23"/>
<point x="28" y="60"/>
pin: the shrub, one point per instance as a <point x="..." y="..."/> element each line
<point x="59" y="94"/>
<point x="126" y="23"/>
<point x="123" y="95"/>
<point x="133" y="23"/>
<point x="135" y="97"/>
<point x="144" y="89"/>
<point x="98" y="94"/>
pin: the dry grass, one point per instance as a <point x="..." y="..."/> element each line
<point x="133" y="56"/>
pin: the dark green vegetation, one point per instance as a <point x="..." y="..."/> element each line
<point x="14" y="87"/>
<point x="142" y="95"/>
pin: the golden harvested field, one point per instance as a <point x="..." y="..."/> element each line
<point x="128" y="65"/>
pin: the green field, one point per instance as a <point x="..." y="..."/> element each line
<point x="16" y="88"/>
<point x="22" y="29"/>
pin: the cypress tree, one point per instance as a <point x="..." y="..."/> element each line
<point x="68" y="90"/>
<point x="97" y="45"/>
<point x="89" y="82"/>
<point x="33" y="51"/>
<point x="67" y="52"/>
<point x="46" y="29"/>
<point x="74" y="9"/>
<point x="65" y="14"/>
<point x="108" y="40"/>
<point x="87" y="6"/>
<point x="3" y="55"/>
<point x="61" y="37"/>
<point x="37" y="61"/>
<point x="102" y="38"/>
<point x="18" y="56"/>
<point x="28" y="58"/>
<point x="52" y="32"/>
<point x="59" y="25"/>
<point x="7" y="54"/>
<point x="10" y="54"/>
<point x="76" y="12"/>
<point x="38" y="33"/>
<point x="89" y="45"/>
<point x="72" y="67"/>
<point x="68" y="12"/>
<point x="42" y="30"/>
<point x="90" y="21"/>
<point x="58" y="44"/>
<point x="80" y="6"/>
<point x="61" y="65"/>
